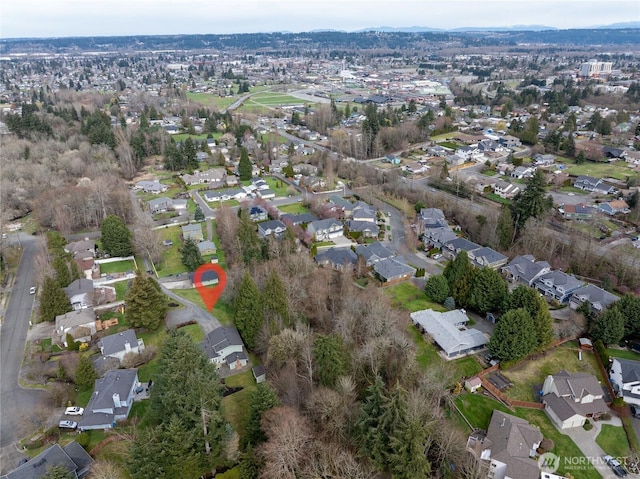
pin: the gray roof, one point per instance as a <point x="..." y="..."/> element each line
<point x="488" y="256"/>
<point x="233" y="357"/>
<point x="79" y="286"/>
<point x="374" y="252"/>
<point x="117" y="381"/>
<point x="462" y="244"/>
<point x="192" y="228"/>
<point x="299" y="218"/>
<point x="223" y="337"/>
<point x="258" y="371"/>
<point x="432" y="217"/>
<point x="630" y="370"/>
<point x="324" y="224"/>
<point x="360" y="226"/>
<point x="37" y="467"/>
<point x="266" y="228"/>
<point x="115" y="343"/>
<point x="440" y="234"/>
<point x="162" y="201"/>
<point x="526" y="267"/>
<point x="568" y="282"/>
<point x="442" y="327"/>
<point x="391" y="268"/>
<point x="79" y="456"/>
<point x="338" y="257"/>
<point x="576" y="385"/>
<point x="598" y="297"/>
<point x="75" y="318"/>
<point x="511" y="440"/>
<point x="206" y="245"/>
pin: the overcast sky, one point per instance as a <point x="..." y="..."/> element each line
<point x="60" y="18"/>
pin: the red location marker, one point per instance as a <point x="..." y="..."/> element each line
<point x="210" y="281"/>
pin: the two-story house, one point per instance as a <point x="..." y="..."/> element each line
<point x="327" y="229"/>
<point x="224" y="345"/>
<point x="119" y="344"/>
<point x="557" y="285"/>
<point x="273" y="228"/>
<point x="487" y="257"/>
<point x="80" y="324"/>
<point x="625" y="379"/>
<point x="597" y="298"/>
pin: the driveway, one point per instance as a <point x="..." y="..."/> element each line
<point x="586" y="442"/>
<point x="191" y="311"/>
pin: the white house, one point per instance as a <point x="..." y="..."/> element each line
<point x="224" y="346"/>
<point x="625" y="379"/>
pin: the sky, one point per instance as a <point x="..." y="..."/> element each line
<point x="64" y="18"/>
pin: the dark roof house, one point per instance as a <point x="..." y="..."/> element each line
<point x="72" y="456"/>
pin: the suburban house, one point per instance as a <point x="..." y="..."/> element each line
<point x="374" y="252"/>
<point x="151" y="186"/>
<point x="224" y="345"/>
<point x="452" y="248"/>
<point x="73" y="456"/>
<point x="614" y="207"/>
<point x="589" y="183"/>
<point x="213" y="177"/>
<point x="579" y="211"/>
<point x="393" y="270"/>
<point x="82" y="294"/>
<point x="364" y="214"/>
<point x="366" y="229"/>
<point x="119" y="344"/>
<point x="525" y="269"/>
<point x="509" y="141"/>
<point x="273" y="228"/>
<point x="557" y="285"/>
<point x="298" y="219"/>
<point x="328" y="229"/>
<point x="598" y="298"/>
<point x="160" y="205"/>
<point x="207" y="247"/>
<point x="521" y="172"/>
<point x="509" y="445"/>
<point x="449" y="331"/>
<point x="258" y="213"/>
<point x="266" y="194"/>
<point x="505" y="190"/>
<point x="111" y="399"/>
<point x="339" y="259"/>
<point x="544" y="160"/>
<point x="437" y="237"/>
<point x="192" y="231"/>
<point x="488" y="257"/>
<point x="225" y="194"/>
<point x="571" y="398"/>
<point x="81" y="324"/>
<point x="433" y="218"/>
<point x="625" y="379"/>
<point x="82" y="249"/>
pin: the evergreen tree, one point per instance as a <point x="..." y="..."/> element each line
<point x="249" y="464"/>
<point x="189" y="154"/>
<point x="330" y="359"/>
<point x="609" y="327"/>
<point x="275" y="302"/>
<point x="85" y="373"/>
<point x="248" y="313"/>
<point x="53" y="300"/>
<point x="249" y="242"/>
<point x="529" y="299"/>
<point x="244" y="167"/>
<point x="488" y="291"/>
<point x="372" y="439"/>
<point x="459" y="274"/>
<point x="532" y="202"/>
<point x="262" y="399"/>
<point x="513" y="337"/>
<point x="58" y="471"/>
<point x="504" y="228"/>
<point x="570" y="146"/>
<point x="198" y="215"/>
<point x="409" y="444"/>
<point x="191" y="257"/>
<point x="116" y="237"/>
<point x="629" y="306"/>
<point x="146" y="304"/>
<point x="437" y="288"/>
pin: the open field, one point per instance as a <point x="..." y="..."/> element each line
<point x="409" y="297"/>
<point x="525" y="376"/>
<point x="618" y="170"/>
<point x="212" y="100"/>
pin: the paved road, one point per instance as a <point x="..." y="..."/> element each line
<point x="14" y="400"/>
<point x="191" y="311"/>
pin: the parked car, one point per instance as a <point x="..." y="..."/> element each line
<point x="615" y="466"/>
<point x="68" y="425"/>
<point x="437" y="256"/>
<point x="74" y="411"/>
<point x="32" y="290"/>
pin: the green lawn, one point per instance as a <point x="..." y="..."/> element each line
<point x="294" y="209"/>
<point x="617" y="169"/>
<point x="279" y="187"/>
<point x="409" y="297"/>
<point x="274" y="99"/>
<point x="209" y="99"/>
<point x="117" y="267"/>
<point x="613" y="441"/>
<point x="623" y="354"/>
<point x="202" y="136"/>
<point x="171" y="262"/>
<point x="478" y="409"/>
<point x="121" y="289"/>
<point x="573" y="189"/>
<point x="467" y="366"/>
<point x="194" y="331"/>
<point x="426" y="352"/>
<point x="524" y="376"/>
<point x="497" y="199"/>
<point x="235" y="406"/>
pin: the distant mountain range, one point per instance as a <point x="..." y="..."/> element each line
<point x="513" y="28"/>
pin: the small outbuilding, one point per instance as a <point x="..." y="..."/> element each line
<point x="473" y="384"/>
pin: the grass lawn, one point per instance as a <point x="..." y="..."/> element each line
<point x="233" y="473"/>
<point x="497" y="199"/>
<point x="623" y="354"/>
<point x="294" y="209"/>
<point x="191" y="295"/>
<point x="478" y="408"/>
<point x="194" y="331"/>
<point x="524" y="376"/>
<point x="210" y="99"/>
<point x="409" y="297"/>
<point x="274" y="99"/>
<point x="617" y="170"/>
<point x="426" y="352"/>
<point x="117" y="267"/>
<point x="202" y="136"/>
<point x="613" y="441"/>
<point x="467" y="366"/>
<point x="273" y="183"/>
<point x="490" y="173"/>
<point x="171" y="262"/>
<point x="235" y="406"/>
<point x="573" y="189"/>
<point x="121" y="289"/>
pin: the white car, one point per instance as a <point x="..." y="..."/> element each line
<point x="74" y="411"/>
<point x="68" y="425"/>
<point x="437" y="256"/>
<point x="32" y="290"/>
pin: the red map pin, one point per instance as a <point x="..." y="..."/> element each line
<point x="210" y="281"/>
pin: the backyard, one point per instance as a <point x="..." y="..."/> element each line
<point x="294" y="209"/>
<point x="618" y="170"/>
<point x="117" y="267"/>
<point x="409" y="297"/>
<point x="526" y="375"/>
<point x="236" y="405"/>
<point x="171" y="262"/>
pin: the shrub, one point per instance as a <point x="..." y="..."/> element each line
<point x="587" y="425"/>
<point x="84" y="438"/>
<point x="34" y="444"/>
